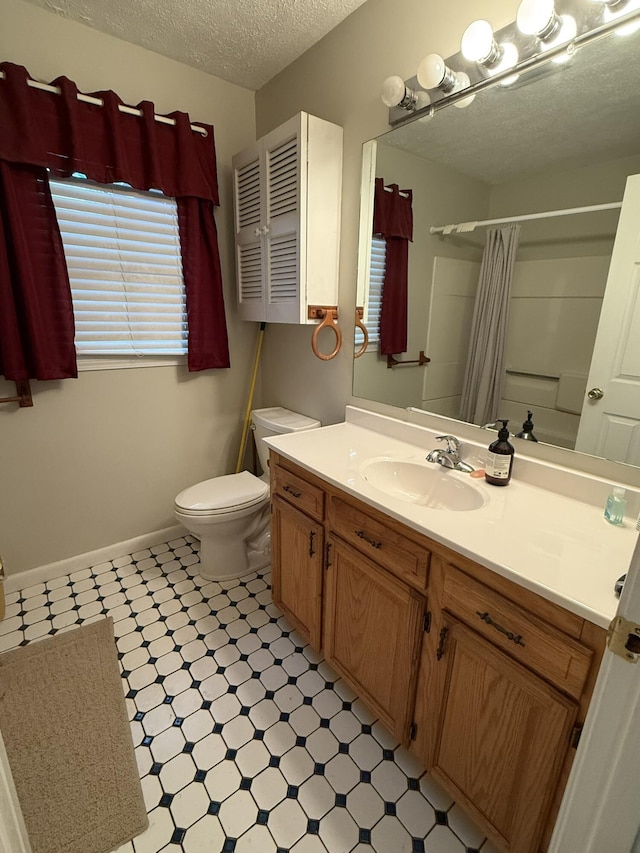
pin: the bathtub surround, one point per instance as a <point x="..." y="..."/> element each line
<point x="245" y="738"/>
<point x="65" y="729"/>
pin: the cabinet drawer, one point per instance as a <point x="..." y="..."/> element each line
<point x="545" y="650"/>
<point x="298" y="492"/>
<point x="385" y="544"/>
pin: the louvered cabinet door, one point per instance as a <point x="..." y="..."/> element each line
<point x="287" y="220"/>
<point x="285" y="179"/>
<point x="249" y="220"/>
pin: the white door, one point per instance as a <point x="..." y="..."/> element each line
<point x="610" y="423"/>
<point x="600" y="812"/>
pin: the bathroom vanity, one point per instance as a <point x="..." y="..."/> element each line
<point x="474" y="638"/>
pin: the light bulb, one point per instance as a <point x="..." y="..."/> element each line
<point x="538" y="18"/>
<point x="422" y="100"/>
<point x="396" y="94"/>
<point x="463" y="83"/>
<point x="479" y="45"/>
<point x="509" y="60"/>
<point x="393" y="91"/>
<point x="567" y="32"/>
<point x="434" y="74"/>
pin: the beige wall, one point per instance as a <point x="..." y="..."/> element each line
<point x="100" y="459"/>
<point x="339" y="79"/>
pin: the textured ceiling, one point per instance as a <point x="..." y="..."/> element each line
<point x="246" y="42"/>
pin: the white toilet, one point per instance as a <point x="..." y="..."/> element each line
<point x="230" y="514"/>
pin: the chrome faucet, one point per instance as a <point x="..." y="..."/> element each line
<point x="449" y="458"/>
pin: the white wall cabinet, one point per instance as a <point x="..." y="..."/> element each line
<point x="287" y="195"/>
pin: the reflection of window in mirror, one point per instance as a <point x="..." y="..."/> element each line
<point x="373" y="300"/>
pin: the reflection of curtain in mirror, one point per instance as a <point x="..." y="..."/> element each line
<point x="393" y="220"/>
<point x="484" y="376"/>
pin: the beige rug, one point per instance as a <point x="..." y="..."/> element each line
<point x="64" y="722"/>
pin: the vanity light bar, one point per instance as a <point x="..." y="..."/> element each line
<point x="584" y="21"/>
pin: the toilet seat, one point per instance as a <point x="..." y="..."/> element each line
<point x="222" y="495"/>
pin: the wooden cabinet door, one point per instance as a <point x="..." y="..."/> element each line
<point x="297" y="550"/>
<point x="371" y="632"/>
<point x="502" y="737"/>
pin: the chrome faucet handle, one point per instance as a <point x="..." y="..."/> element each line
<point x="453" y="443"/>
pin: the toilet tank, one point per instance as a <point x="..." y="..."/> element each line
<point x="275" y="421"/>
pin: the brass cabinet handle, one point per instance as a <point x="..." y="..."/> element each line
<point x="291" y="492"/>
<point x="443" y="637"/>
<point x="362" y="535"/>
<point x="312" y="536"/>
<point x="515" y="638"/>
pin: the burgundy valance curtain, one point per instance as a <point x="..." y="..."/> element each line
<point x="393" y="220"/>
<point x="43" y="131"/>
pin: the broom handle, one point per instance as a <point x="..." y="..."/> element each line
<point x="247" y="416"/>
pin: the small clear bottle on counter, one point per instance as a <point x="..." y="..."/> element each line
<point x="615" y="506"/>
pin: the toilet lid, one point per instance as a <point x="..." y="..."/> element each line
<point x="223" y="493"/>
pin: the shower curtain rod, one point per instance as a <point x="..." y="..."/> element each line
<point x="464" y="227"/>
<point x="88" y="99"/>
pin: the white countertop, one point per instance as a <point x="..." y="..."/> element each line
<point x="556" y="546"/>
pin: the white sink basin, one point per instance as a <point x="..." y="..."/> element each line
<point x="425" y="484"/>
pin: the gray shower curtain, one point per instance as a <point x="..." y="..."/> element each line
<point x="484" y="376"/>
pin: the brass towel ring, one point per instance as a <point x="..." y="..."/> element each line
<point x="360" y="325"/>
<point x="329" y="317"/>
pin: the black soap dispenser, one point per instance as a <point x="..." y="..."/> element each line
<point x="500" y="458"/>
<point x="527" y="429"/>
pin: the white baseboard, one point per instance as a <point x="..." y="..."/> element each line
<point x="41" y="574"/>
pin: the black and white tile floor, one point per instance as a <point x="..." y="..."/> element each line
<point x="246" y="739"/>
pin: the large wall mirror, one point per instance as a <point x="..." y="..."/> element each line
<point x="565" y="136"/>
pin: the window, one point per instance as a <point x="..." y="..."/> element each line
<point x="123" y="255"/>
<point x="373" y="301"/>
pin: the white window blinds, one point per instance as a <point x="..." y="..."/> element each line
<point x="123" y="255"/>
<point x="373" y="302"/>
